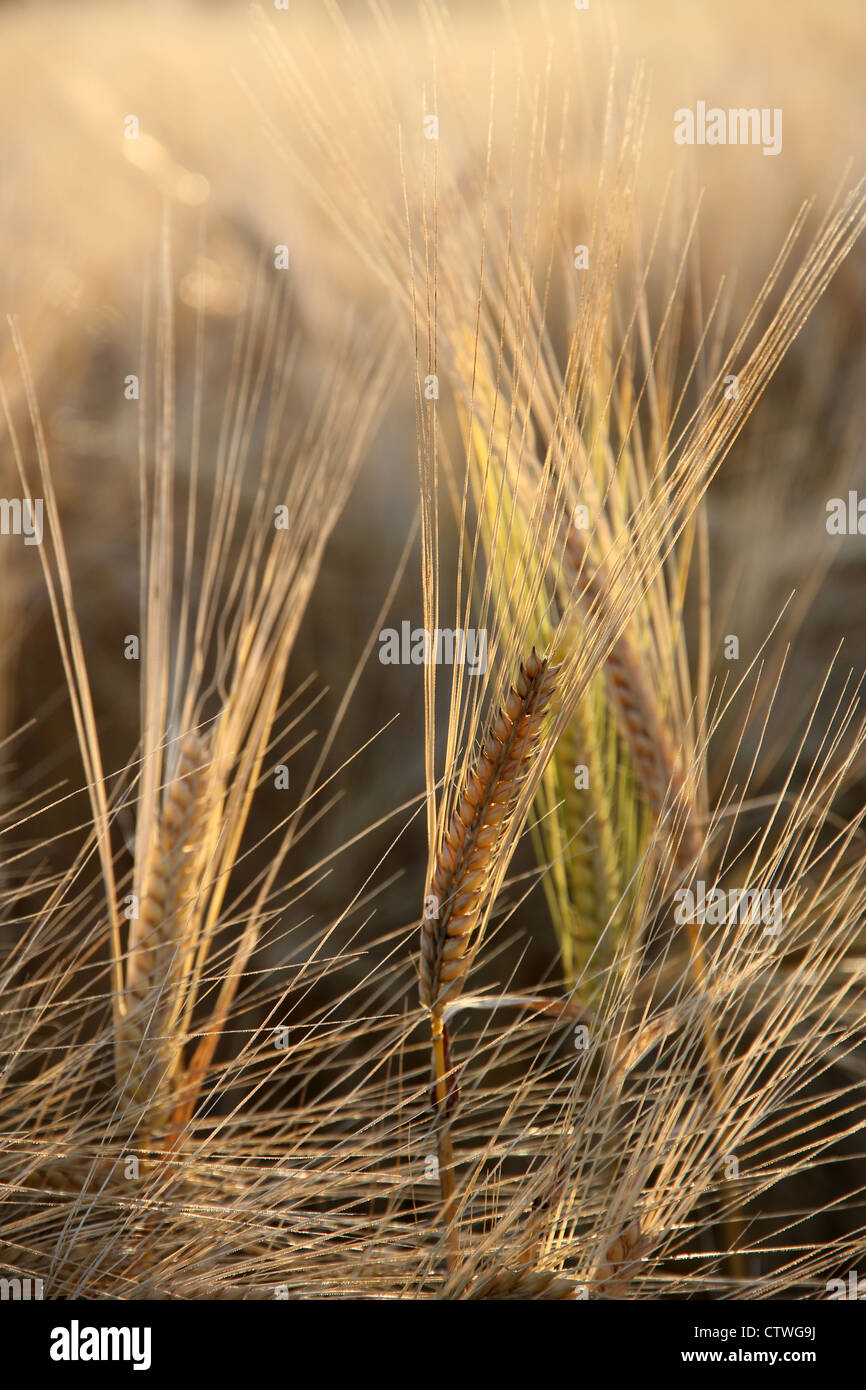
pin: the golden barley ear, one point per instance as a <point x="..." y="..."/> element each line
<point x="468" y="849"/>
<point x="163" y="939"/>
<point x="621" y="1260"/>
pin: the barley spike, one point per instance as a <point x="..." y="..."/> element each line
<point x="483" y="810"/>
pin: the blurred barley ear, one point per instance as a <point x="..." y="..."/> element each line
<point x="164" y="939"/>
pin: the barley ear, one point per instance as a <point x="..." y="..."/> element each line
<point x="469" y="848"/>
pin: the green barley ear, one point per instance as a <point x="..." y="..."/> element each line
<point x="577" y="835"/>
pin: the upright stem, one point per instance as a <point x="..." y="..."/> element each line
<point x="445" y="1151"/>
